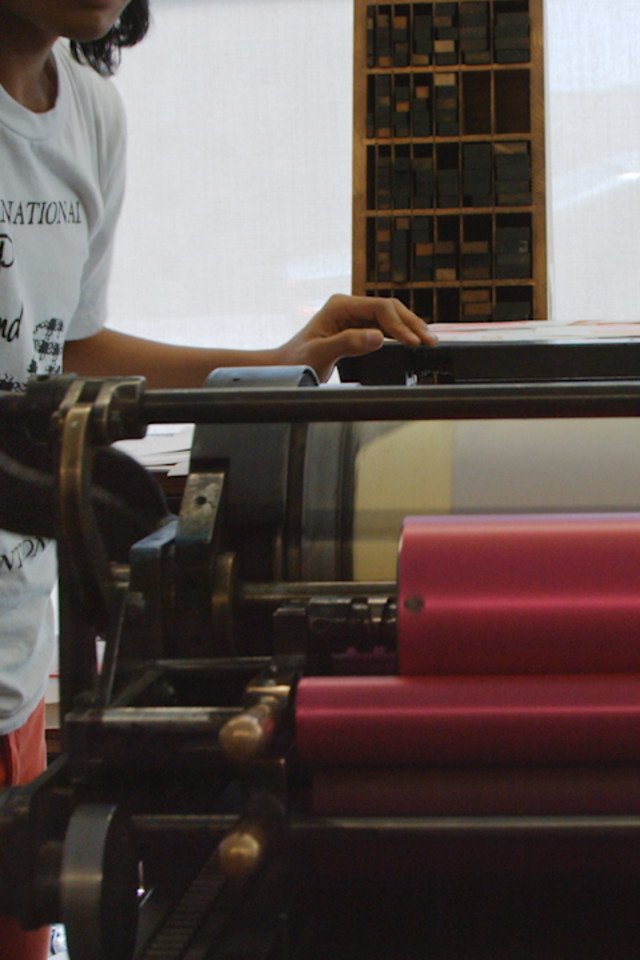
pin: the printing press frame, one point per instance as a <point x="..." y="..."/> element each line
<point x="180" y="753"/>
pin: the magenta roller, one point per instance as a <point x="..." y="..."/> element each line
<point x="486" y="791"/>
<point x="468" y="720"/>
<point x="512" y="594"/>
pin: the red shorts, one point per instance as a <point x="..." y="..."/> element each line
<point x="22" y="757"/>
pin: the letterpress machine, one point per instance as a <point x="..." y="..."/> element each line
<point x="336" y="716"/>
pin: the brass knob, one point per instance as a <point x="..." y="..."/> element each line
<point x="242" y="851"/>
<point x="247" y="735"/>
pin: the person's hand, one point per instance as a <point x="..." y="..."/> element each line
<point x="350" y="326"/>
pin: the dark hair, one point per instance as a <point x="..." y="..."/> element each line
<point x="104" y="54"/>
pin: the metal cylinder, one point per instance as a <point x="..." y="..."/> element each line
<point x="361" y="480"/>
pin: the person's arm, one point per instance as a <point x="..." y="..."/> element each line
<point x="344" y="326"/>
<point x="111" y="353"/>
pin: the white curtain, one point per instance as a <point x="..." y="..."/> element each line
<point x="237" y="223"/>
<point x="593" y="175"/>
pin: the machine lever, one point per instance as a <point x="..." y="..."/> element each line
<point x="246" y="736"/>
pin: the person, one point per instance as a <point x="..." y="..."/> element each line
<point x="62" y="150"/>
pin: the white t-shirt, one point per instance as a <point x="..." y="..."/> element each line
<point x="61" y="189"/>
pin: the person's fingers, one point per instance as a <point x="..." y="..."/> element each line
<point x="326" y="351"/>
<point x="390" y="314"/>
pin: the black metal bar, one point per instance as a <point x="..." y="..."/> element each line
<point x="589" y="398"/>
<point x="164" y="825"/>
<point x="176" y="720"/>
<point x="480" y="401"/>
<point x="626" y="825"/>
<point x="272" y="593"/>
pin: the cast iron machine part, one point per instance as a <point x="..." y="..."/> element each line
<point x="182" y="744"/>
